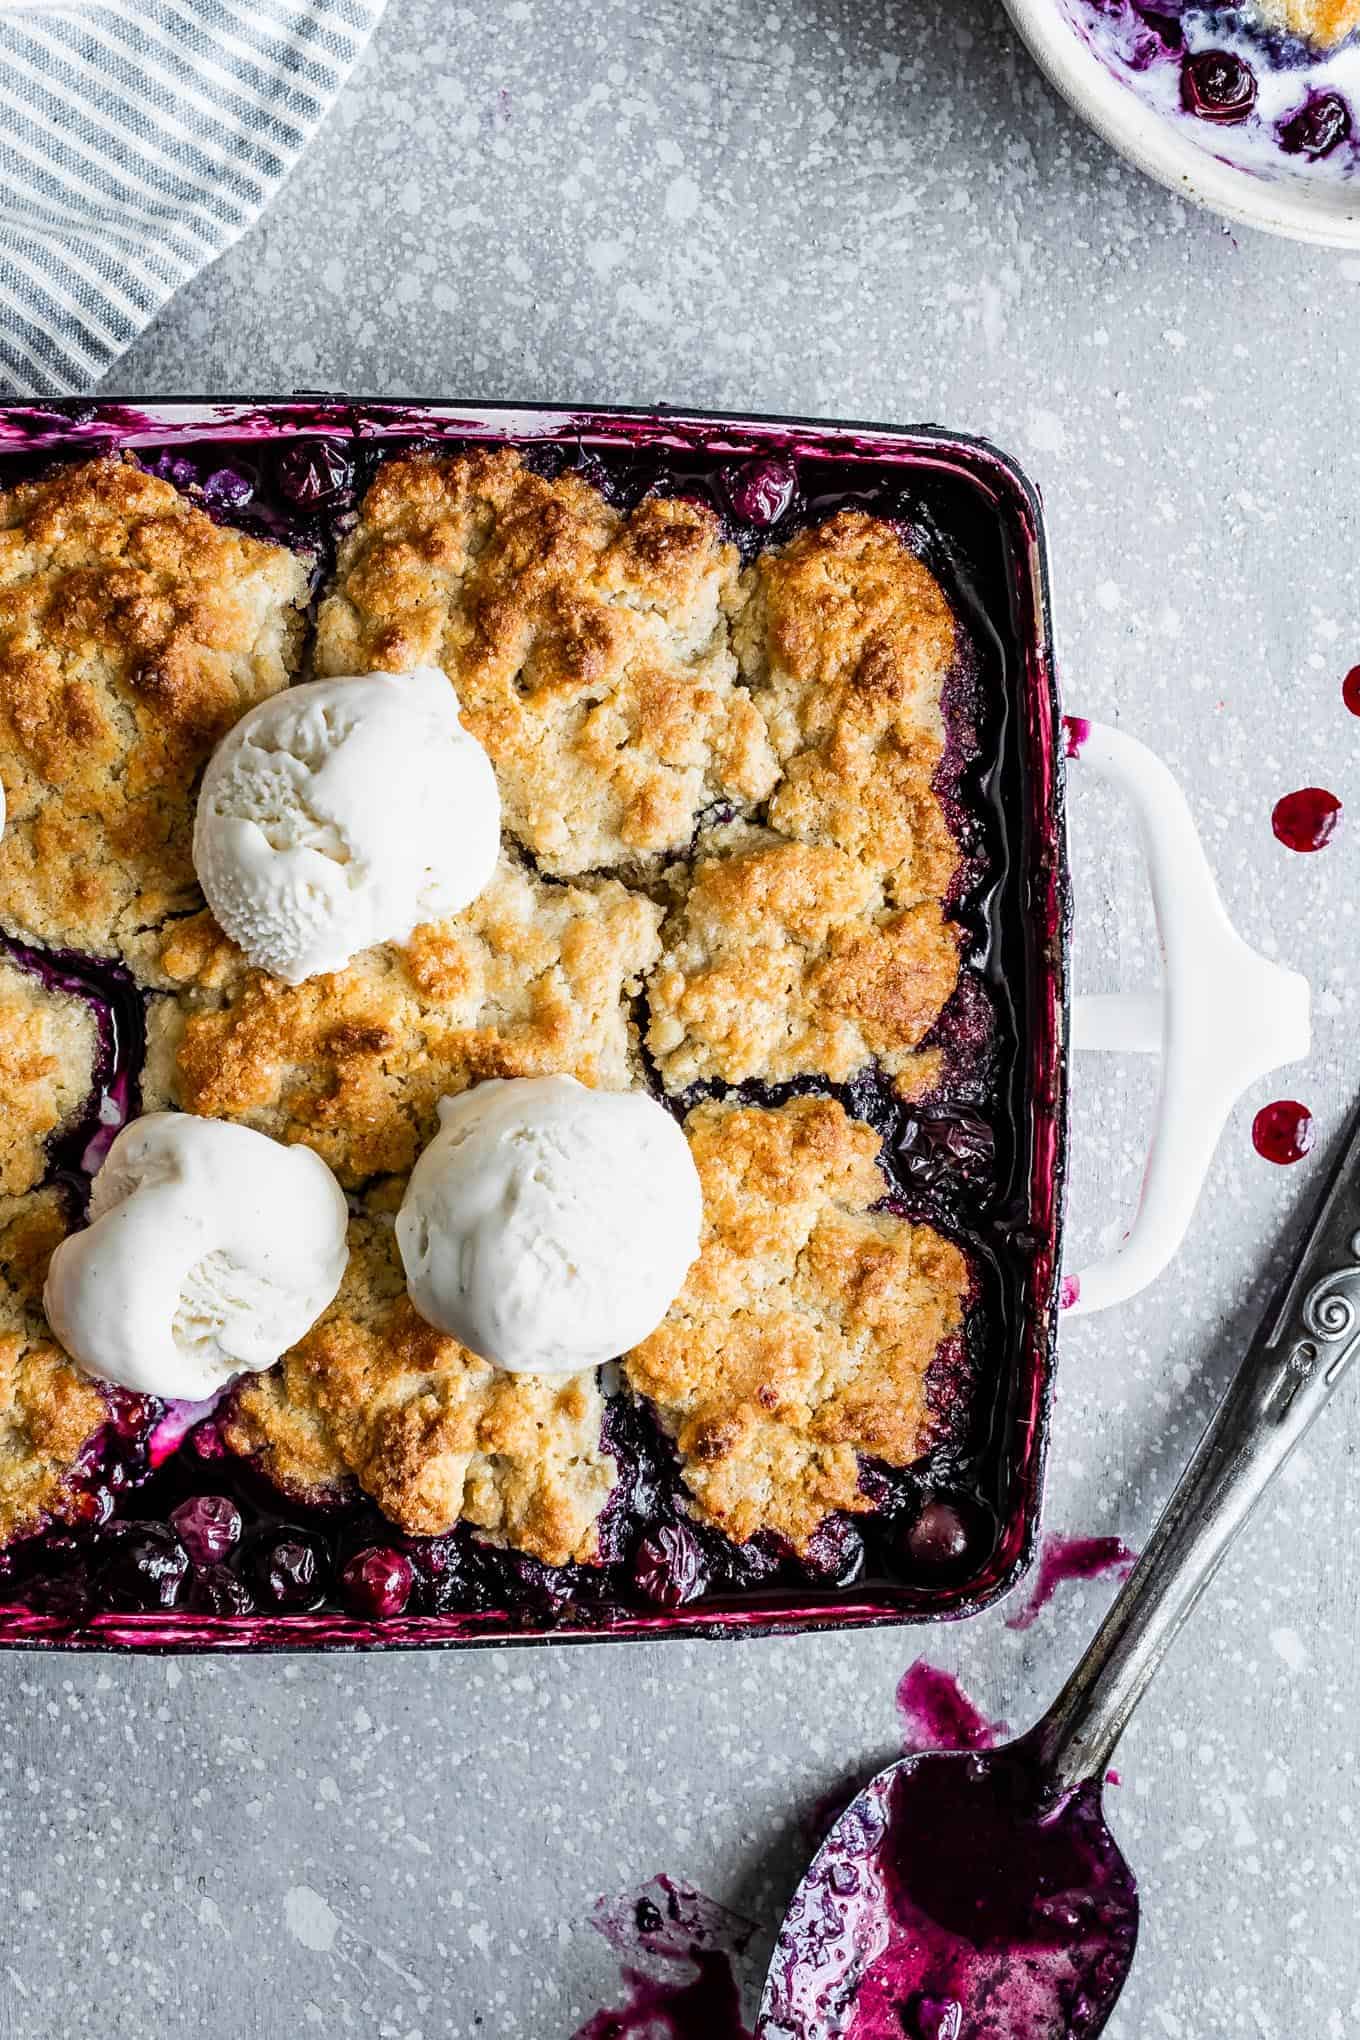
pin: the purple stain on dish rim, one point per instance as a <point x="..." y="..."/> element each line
<point x="1071" y="1558"/>
<point x="679" y="1950"/>
<point x="1076" y="731"/>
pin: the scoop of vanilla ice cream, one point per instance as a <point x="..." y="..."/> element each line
<point x="547" y="1226"/>
<point x="342" y="813"/>
<point x="210" y="1250"/>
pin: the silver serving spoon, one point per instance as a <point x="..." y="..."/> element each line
<point x="980" y="1896"/>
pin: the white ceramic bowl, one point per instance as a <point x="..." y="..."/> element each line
<point x="1291" y="203"/>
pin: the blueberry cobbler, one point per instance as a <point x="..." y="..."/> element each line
<point x="498" y="1082"/>
<point x="1272" y="86"/>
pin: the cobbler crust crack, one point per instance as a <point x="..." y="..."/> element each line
<point x="434" y="1434"/>
<point x="806" y="1330"/>
<point x="531" y="979"/>
<point x="133" y="633"/>
<point x="590" y="649"/>
<point x="48" y="1045"/>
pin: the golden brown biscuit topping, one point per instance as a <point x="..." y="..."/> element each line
<point x="434" y="1434"/>
<point x="48" y="1043"/>
<point x="806" y="1330"/>
<point x="784" y="960"/>
<point x="48" y="1411"/>
<point x="845" y="642"/>
<point x="133" y="632"/>
<point x="531" y="979"/>
<point x="591" y="650"/>
<point x="1321" y="21"/>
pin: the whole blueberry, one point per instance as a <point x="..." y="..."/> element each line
<point x="762" y="490"/>
<point x="145" y="1567"/>
<point x="377" y="1581"/>
<point x="208" y="1526"/>
<point x="670" y="1566"/>
<point x="1318" y="127"/>
<point x="313" y="472"/>
<point x="217" y="1591"/>
<point x="288" y="1569"/>
<point x="939" y="1539"/>
<point x="834" y="1554"/>
<point x="228" y="489"/>
<point x="1217" y="86"/>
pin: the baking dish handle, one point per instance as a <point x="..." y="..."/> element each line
<point x="1225" y="1017"/>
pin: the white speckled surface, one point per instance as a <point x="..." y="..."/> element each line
<point x="871" y="210"/>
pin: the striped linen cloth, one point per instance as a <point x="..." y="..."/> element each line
<point x="138" y="139"/>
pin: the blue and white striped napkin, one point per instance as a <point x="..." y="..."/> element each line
<point x="138" y="139"/>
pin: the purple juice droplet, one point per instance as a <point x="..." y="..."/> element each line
<point x="1072" y="1558"/>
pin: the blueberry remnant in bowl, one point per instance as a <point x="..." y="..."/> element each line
<point x="761" y="492"/>
<point x="1218" y="86"/>
<point x="1320" y="125"/>
<point x="671" y="1566"/>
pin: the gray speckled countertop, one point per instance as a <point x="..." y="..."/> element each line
<point x="872" y="210"/>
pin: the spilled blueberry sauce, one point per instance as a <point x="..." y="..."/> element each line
<point x="1069" y="1292"/>
<point x="1306" y="820"/>
<point x="936" y="1714"/>
<point x="979" y="1157"/>
<point x="1076" y="731"/>
<point x="1350" y="690"/>
<point x="1283" y="1131"/>
<point x="678" y="1951"/>
<point x="1071" y="1558"/>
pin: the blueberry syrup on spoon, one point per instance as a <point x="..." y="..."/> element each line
<point x="980" y="1895"/>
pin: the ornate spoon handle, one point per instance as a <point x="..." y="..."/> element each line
<point x="1305" y="1344"/>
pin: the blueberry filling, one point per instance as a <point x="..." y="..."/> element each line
<point x="209" y="1537"/>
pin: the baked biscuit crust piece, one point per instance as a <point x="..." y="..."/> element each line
<point x="531" y="979"/>
<point x="133" y="633"/>
<point x="48" y="1410"/>
<point x="48" y="1043"/>
<point x="1322" y="21"/>
<point x="806" y="1329"/>
<point x="434" y="1434"/>
<point x="590" y="649"/>
<point x="846" y="640"/>
<point x="784" y="959"/>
